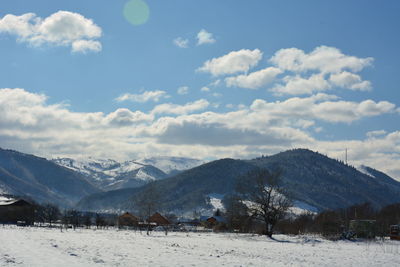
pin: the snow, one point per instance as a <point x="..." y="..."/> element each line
<point x="6" y="200"/>
<point x="364" y="170"/>
<point x="300" y="207"/>
<point x="216" y="201"/>
<point x="107" y="173"/>
<point x="170" y="164"/>
<point x="88" y="247"/>
<point x="124" y="167"/>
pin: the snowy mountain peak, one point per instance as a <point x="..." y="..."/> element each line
<point x="109" y="174"/>
<point x="171" y="165"/>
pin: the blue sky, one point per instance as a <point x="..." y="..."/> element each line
<point x="204" y="79"/>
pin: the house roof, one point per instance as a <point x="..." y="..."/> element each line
<point x="217" y="218"/>
<point x="129" y="215"/>
<point x="5" y="201"/>
<point x="159" y="219"/>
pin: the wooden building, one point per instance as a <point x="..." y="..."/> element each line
<point x="128" y="220"/>
<point x="395" y="232"/>
<point x="16" y="211"/>
<point x="158" y="219"/>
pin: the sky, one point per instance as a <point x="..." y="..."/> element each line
<point x="128" y="79"/>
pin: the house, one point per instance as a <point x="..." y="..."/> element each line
<point x="213" y="219"/>
<point x="16" y="211"/>
<point x="158" y="219"/>
<point x="395" y="232"/>
<point x="128" y="220"/>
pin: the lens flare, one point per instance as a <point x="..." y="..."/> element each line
<point x="136" y="12"/>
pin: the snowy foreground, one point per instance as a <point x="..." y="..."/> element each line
<point x="51" y="247"/>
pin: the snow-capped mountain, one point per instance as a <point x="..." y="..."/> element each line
<point x="171" y="165"/>
<point x="109" y="174"/>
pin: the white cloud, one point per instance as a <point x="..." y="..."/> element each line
<point x="323" y="58"/>
<point x="190" y="107"/>
<point x="125" y="117"/>
<point x="183" y="90"/>
<point x="62" y="28"/>
<point x="372" y="134"/>
<point x="143" y="97"/>
<point x="233" y="62"/>
<point x="296" y="85"/>
<point x="84" y="46"/>
<point x="205" y="89"/>
<point x="182" y="43"/>
<point x="254" y="80"/>
<point x="321" y="107"/>
<point x="349" y="80"/>
<point x="29" y="124"/>
<point x="205" y="37"/>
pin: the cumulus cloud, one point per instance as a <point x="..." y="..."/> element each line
<point x="125" y="117"/>
<point x="205" y="37"/>
<point x="183" y="90"/>
<point x="323" y="58"/>
<point x="84" y="46"/>
<point x="350" y="80"/>
<point x="306" y="73"/>
<point x="233" y="62"/>
<point x="255" y="79"/>
<point x="322" y="107"/>
<point x="146" y="96"/>
<point x="190" y="107"/>
<point x="297" y="85"/>
<point x="180" y="42"/>
<point x="62" y="28"/>
<point x="205" y="89"/>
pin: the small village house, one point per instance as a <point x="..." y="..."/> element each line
<point x="158" y="219"/>
<point x="128" y="220"/>
<point x="395" y="232"/>
<point x="16" y="211"/>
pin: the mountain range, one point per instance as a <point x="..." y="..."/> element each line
<point x="186" y="185"/>
<point x="310" y="177"/>
<point x="110" y="174"/>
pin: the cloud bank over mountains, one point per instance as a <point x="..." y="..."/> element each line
<point x="30" y="124"/>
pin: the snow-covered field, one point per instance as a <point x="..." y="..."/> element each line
<point x="51" y="247"/>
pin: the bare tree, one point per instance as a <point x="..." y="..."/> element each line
<point x="236" y="213"/>
<point x="148" y="203"/>
<point x="266" y="200"/>
<point x="50" y="213"/>
<point x="99" y="221"/>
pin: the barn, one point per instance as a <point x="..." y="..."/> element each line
<point x="16" y="211"/>
<point x="158" y="219"/>
<point x="128" y="219"/>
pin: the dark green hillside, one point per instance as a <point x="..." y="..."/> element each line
<point x="327" y="183"/>
<point x="40" y="179"/>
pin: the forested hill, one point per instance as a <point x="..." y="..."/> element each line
<point x="327" y="183"/>
<point x="310" y="177"/>
<point x="42" y="180"/>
